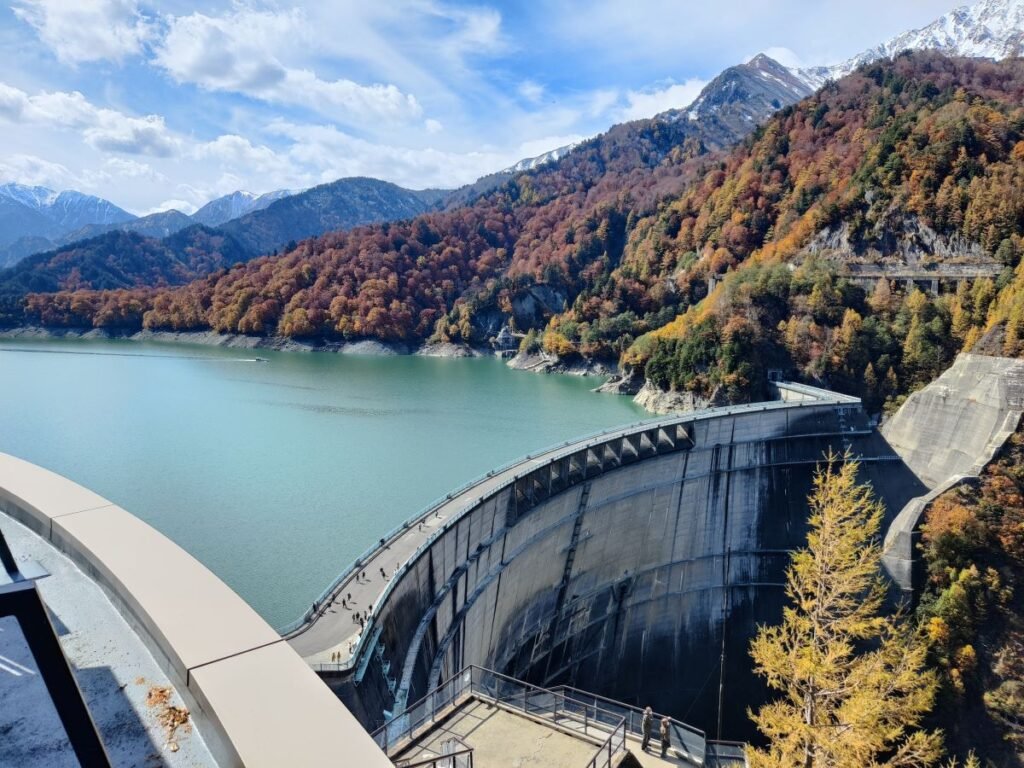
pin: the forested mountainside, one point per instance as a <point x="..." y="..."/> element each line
<point x="916" y="162"/>
<point x="266" y="223"/>
<point x="972" y="609"/>
<point x="608" y="253"/>
<point x="341" y="204"/>
<point x="120" y="259"/>
<point x="456" y="269"/>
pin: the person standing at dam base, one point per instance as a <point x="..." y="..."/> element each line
<point x="645" y="727"/>
<point x="666" y="740"/>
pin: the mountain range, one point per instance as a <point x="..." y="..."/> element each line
<point x="726" y="110"/>
<point x="236" y="204"/>
<point x="695" y="251"/>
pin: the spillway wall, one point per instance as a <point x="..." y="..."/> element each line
<point x="641" y="578"/>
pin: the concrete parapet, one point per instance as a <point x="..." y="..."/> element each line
<point x="255" y="701"/>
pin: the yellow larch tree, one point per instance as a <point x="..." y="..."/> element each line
<point x="852" y="682"/>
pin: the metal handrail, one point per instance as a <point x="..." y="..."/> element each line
<point x="722" y="754"/>
<point x="607" y="751"/>
<point x="585" y="442"/>
<point x="451" y="757"/>
<point x="685" y="726"/>
<point x="458" y="686"/>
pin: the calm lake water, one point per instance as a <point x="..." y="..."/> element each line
<point x="277" y="475"/>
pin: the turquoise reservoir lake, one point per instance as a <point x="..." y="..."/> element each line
<point x="277" y="475"/>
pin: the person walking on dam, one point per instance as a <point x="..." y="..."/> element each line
<point x="666" y="741"/>
<point x="645" y="726"/>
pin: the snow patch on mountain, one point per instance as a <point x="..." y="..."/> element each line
<point x="533" y="162"/>
<point x="231" y="206"/>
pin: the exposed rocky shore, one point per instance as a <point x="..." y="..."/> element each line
<point x="214" y="339"/>
<point x="541" y="362"/>
<point x="659" y="401"/>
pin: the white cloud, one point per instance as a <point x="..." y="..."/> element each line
<point x="102" y="128"/>
<point x="86" y="30"/>
<point x="132" y="169"/>
<point x="34" y="171"/>
<point x="237" y="155"/>
<point x="433" y="126"/>
<point x="236" y="53"/>
<point x="641" y="104"/>
<point x="132" y="136"/>
<point x="537" y="147"/>
<point x="328" y="154"/>
<point x="476" y="30"/>
<point x="531" y="91"/>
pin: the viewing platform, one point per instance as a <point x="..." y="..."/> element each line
<point x="480" y="719"/>
<point x="252" y="699"/>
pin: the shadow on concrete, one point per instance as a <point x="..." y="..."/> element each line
<point x="125" y="735"/>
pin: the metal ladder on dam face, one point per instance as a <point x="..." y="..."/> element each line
<point x="574" y="540"/>
<point x="570" y="559"/>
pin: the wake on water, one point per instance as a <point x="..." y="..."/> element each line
<point x="137" y="354"/>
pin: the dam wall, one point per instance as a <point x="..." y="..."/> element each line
<point x="948" y="431"/>
<point x="636" y="568"/>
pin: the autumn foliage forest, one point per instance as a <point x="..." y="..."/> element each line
<point x="698" y="267"/>
<point x="628" y="230"/>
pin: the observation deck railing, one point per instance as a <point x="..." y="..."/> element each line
<point x="581" y="717"/>
<point x="688" y="742"/>
<point x="457" y="754"/>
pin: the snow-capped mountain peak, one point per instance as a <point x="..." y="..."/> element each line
<point x="67" y="210"/>
<point x="36" y="198"/>
<point x="236" y="204"/>
<point x="989" y="29"/>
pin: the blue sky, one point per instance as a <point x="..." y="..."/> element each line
<point x="156" y="105"/>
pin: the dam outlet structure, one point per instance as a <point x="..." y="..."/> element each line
<point x="636" y="564"/>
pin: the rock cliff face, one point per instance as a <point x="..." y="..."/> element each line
<point x="658" y="400"/>
<point x="899" y="238"/>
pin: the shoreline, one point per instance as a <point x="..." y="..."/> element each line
<point x="616" y="383"/>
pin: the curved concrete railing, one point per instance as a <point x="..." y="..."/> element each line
<point x="255" y="700"/>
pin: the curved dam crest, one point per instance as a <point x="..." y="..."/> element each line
<point x="630" y="565"/>
<point x="636" y="565"/>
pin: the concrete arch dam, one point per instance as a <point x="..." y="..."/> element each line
<point x="635" y="565"/>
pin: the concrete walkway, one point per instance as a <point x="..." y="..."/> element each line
<point x="501" y="738"/>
